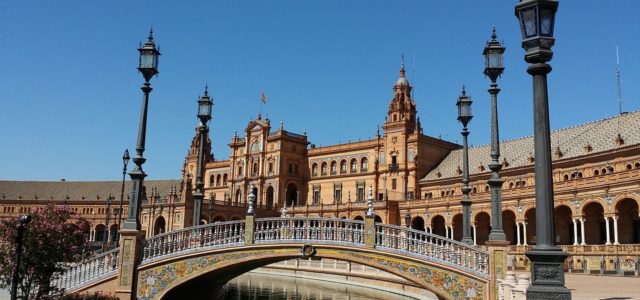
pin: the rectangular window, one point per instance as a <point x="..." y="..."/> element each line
<point x="316" y="197"/>
<point x="270" y="168"/>
<point x="360" y="195"/>
<point x="337" y="196"/>
<point x="290" y="168"/>
<point x="394" y="184"/>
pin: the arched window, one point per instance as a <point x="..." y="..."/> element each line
<point x="211" y="181"/>
<point x="254" y="171"/>
<point x="224" y="179"/>
<point x="334" y="168"/>
<point x="364" y="164"/>
<point x="323" y="169"/>
<point x="354" y="165"/>
<point x="596" y="173"/>
<point x="255" y="147"/>
<point x="343" y="167"/>
<point x="240" y="171"/>
<point x="566" y="177"/>
<point x="314" y="170"/>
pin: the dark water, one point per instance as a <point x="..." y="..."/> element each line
<point x="252" y="286"/>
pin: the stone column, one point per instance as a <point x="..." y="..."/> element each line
<point x="249" y="229"/>
<point x="131" y="241"/>
<point x="524" y="227"/>
<point x="370" y="232"/>
<point x="575" y="233"/>
<point x="615" y="230"/>
<point x="475" y="235"/>
<point x="582" y="242"/>
<point x="518" y="234"/>
<point x="606" y="221"/>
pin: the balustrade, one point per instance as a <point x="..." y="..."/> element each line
<point x="431" y="247"/>
<point x="209" y="235"/>
<point x="94" y="268"/>
<point x="318" y="230"/>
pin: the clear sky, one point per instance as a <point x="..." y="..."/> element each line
<point x="70" y="97"/>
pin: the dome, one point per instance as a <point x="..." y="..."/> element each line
<point x="402" y="81"/>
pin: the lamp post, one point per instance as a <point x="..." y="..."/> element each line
<point x="22" y="223"/>
<point x="125" y="161"/>
<point x="211" y="203"/>
<point x="148" y="66"/>
<point x="107" y="214"/>
<point x="407" y="219"/>
<point x="464" y="116"/>
<point x="493" y="67"/>
<point x="116" y="212"/>
<point x="204" y="114"/>
<point x="536" y="18"/>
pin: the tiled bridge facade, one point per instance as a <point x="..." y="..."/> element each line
<point x="217" y="252"/>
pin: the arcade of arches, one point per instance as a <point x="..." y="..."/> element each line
<point x="588" y="225"/>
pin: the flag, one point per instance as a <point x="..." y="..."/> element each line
<point x="263" y="98"/>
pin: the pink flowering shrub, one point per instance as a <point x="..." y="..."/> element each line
<point x="54" y="238"/>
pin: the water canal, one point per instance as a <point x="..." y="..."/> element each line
<point x="255" y="286"/>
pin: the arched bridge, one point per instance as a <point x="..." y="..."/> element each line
<point x="218" y="252"/>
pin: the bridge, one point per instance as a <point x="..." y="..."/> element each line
<point x="169" y="264"/>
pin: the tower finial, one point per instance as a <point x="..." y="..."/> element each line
<point x="493" y="35"/>
<point x="464" y="91"/>
<point x="151" y="34"/>
<point x="206" y="89"/>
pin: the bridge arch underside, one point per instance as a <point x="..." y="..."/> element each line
<point x="190" y="275"/>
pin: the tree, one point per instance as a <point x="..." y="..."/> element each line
<point x="55" y="238"/>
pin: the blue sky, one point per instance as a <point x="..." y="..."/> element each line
<point x="70" y="97"/>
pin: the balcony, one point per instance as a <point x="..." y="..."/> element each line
<point x="393" y="167"/>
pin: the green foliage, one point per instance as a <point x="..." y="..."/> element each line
<point x="54" y="238"/>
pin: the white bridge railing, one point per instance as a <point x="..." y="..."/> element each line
<point x="96" y="267"/>
<point x="388" y="238"/>
<point x="303" y="229"/>
<point x="220" y="234"/>
<point x="432" y="247"/>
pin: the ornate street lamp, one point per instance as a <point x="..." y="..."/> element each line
<point x="536" y="18"/>
<point x="204" y="114"/>
<point x="22" y="223"/>
<point x="465" y="116"/>
<point x="148" y="66"/>
<point x="493" y="67"/>
<point x="125" y="161"/>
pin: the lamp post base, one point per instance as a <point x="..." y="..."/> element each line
<point x="547" y="275"/>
